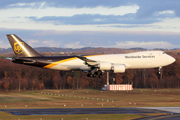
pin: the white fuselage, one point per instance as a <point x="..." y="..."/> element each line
<point x="136" y="60"/>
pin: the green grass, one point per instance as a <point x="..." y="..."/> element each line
<point x="87" y="98"/>
<point x="137" y="98"/>
<point x="15" y="99"/>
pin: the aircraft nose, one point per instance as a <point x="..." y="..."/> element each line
<point x="171" y="59"/>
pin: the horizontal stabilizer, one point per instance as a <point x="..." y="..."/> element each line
<point x="9" y="58"/>
<point x="22" y="60"/>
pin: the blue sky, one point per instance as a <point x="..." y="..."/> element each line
<point x="92" y="23"/>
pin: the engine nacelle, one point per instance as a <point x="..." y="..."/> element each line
<point x="119" y="68"/>
<point x="105" y="66"/>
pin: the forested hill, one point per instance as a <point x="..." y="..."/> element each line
<point x="79" y="50"/>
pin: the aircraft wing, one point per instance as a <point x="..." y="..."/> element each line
<point x="87" y="61"/>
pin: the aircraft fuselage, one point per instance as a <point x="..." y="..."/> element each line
<point x="136" y="60"/>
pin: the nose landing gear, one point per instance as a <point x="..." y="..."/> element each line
<point x="160" y="70"/>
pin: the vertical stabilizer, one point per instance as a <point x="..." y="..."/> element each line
<point x="20" y="48"/>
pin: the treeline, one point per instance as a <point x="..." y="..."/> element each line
<point x="22" y="77"/>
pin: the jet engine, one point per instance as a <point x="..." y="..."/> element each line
<point x="119" y="68"/>
<point x="105" y="66"/>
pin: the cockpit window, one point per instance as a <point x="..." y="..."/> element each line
<point x="164" y="53"/>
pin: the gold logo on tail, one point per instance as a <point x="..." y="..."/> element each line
<point x="18" y="47"/>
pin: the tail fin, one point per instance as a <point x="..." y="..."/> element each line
<point x="20" y="48"/>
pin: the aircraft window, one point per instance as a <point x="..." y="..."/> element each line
<point x="164" y="53"/>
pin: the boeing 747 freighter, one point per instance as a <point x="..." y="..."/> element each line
<point x="94" y="64"/>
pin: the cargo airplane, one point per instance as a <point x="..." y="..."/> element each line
<point x="94" y="64"/>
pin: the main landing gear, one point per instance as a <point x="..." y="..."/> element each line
<point x="94" y="73"/>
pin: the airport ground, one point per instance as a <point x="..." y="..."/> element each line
<point x="50" y="99"/>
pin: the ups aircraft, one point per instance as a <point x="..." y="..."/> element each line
<point x="94" y="64"/>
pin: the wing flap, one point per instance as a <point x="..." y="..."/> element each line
<point x="87" y="61"/>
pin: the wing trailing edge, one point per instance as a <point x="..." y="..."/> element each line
<point x="87" y="61"/>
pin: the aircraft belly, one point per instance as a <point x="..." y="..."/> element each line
<point x="71" y="65"/>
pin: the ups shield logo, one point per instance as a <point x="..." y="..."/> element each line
<point x="18" y="47"/>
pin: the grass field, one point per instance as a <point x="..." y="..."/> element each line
<point x="87" y="99"/>
<point x="6" y="116"/>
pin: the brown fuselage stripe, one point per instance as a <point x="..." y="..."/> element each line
<point x="58" y="62"/>
<point x="65" y="60"/>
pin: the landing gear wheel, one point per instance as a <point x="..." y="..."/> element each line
<point x="91" y="75"/>
<point x="94" y="75"/>
<point x="88" y="75"/>
<point x="100" y="75"/>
